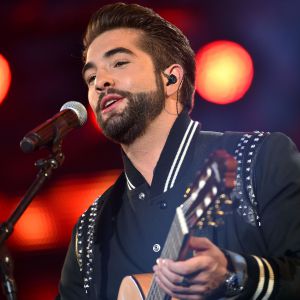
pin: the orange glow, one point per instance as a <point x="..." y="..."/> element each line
<point x="5" y="78"/>
<point x="48" y="221"/>
<point x="36" y="228"/>
<point x="72" y="196"/>
<point x="224" y="72"/>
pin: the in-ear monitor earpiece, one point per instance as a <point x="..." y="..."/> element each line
<point x="172" y="79"/>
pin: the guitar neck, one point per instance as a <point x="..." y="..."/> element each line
<point x="204" y="200"/>
<point x="172" y="249"/>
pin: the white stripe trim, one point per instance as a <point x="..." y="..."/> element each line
<point x="271" y="281"/>
<point x="183" y="154"/>
<point x="177" y="155"/>
<point x="130" y="185"/>
<point x="137" y="287"/>
<point x="261" y="281"/>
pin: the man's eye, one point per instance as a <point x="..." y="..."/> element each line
<point x="120" y="63"/>
<point x="90" y="80"/>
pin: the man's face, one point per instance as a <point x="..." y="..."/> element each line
<point x="123" y="89"/>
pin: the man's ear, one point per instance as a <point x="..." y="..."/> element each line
<point x="172" y="77"/>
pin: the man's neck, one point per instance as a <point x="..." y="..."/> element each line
<point x="145" y="151"/>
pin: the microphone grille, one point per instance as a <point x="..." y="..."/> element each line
<point x="78" y="108"/>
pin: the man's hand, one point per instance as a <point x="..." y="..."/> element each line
<point x="194" y="278"/>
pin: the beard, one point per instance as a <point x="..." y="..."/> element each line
<point x="142" y="108"/>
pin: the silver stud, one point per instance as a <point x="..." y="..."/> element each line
<point x="142" y="196"/>
<point x="156" y="247"/>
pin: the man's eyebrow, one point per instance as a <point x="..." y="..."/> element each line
<point x="114" y="51"/>
<point x="107" y="54"/>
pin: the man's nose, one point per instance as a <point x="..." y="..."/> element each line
<point x="103" y="82"/>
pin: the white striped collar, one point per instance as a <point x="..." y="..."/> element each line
<point x="129" y="184"/>
<point x="173" y="160"/>
<point x="180" y="155"/>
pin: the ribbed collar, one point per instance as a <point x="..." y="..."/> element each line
<point x="173" y="161"/>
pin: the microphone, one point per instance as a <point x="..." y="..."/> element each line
<point x="72" y="115"/>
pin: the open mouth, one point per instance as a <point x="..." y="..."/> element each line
<point x="109" y="101"/>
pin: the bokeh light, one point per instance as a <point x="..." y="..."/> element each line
<point x="224" y="72"/>
<point x="62" y="203"/>
<point x="36" y="229"/>
<point x="5" y="78"/>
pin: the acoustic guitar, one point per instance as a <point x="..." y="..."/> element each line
<point x="206" y="201"/>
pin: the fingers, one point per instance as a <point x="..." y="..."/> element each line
<point x="174" y="276"/>
<point x="176" y="289"/>
<point x="204" y="247"/>
<point x="188" y="267"/>
<point x="195" y="277"/>
<point x="177" y="284"/>
<point x="200" y="243"/>
<point x="179" y="292"/>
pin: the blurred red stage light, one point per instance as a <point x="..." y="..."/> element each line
<point x="5" y="78"/>
<point x="93" y="120"/>
<point x="36" y="229"/>
<point x="48" y="221"/>
<point x="224" y="72"/>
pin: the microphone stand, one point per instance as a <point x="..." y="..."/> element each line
<point x="46" y="167"/>
<point x="6" y="274"/>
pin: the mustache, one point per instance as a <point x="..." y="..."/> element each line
<point x="122" y="93"/>
<point x="113" y="91"/>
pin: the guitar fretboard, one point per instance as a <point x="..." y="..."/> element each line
<point x="175" y="239"/>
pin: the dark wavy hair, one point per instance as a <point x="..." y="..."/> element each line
<point x="163" y="41"/>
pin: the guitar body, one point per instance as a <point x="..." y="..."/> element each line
<point x="135" y="287"/>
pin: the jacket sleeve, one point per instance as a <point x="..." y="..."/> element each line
<point x="71" y="282"/>
<point x="277" y="180"/>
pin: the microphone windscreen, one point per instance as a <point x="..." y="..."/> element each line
<point x="78" y="108"/>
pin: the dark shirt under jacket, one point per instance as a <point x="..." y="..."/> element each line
<point x="131" y="227"/>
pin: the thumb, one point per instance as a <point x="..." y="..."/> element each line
<point x="200" y="243"/>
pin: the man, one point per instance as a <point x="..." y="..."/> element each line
<point x="140" y="71"/>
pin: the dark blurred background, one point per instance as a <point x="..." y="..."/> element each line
<point x="42" y="42"/>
